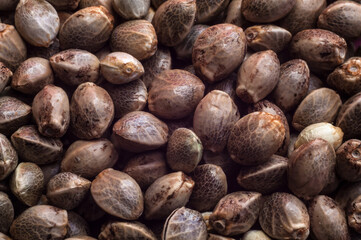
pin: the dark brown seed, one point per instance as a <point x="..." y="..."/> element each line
<point x="77" y="225"/>
<point x="236" y="213"/>
<point x="208" y="10"/>
<point x="8" y="157"/>
<point x="49" y="171"/>
<point x="5" y="76"/>
<point x="314" y="83"/>
<point x="126" y="230"/>
<point x="283" y="216"/>
<point x="131" y="9"/>
<point x="346" y="118"/>
<point x="354" y="214"/>
<point x="64" y="4"/>
<point x="348" y="158"/>
<point x="347" y="193"/>
<point x="234" y="13"/>
<point x="6" y="211"/>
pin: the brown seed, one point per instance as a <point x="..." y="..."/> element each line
<point x="184" y="150"/>
<point x="209" y="10"/>
<point x="118" y="194"/>
<point x="292" y="85"/>
<point x="126" y="230"/>
<point x="137" y="37"/>
<point x="255" y="138"/>
<point x="64" y="4"/>
<point x="321" y="49"/>
<point x="314" y="83"/>
<point x="6" y="211"/>
<point x="261" y="11"/>
<point x="214" y="119"/>
<point x="51" y="111"/>
<point x="146" y="167"/>
<point x="127" y="97"/>
<point x="236" y="213"/>
<point x="184" y="223"/>
<point x="88" y="158"/>
<point x="67" y="190"/>
<point x="44" y="52"/>
<point x="234" y="13"/>
<point x="210" y="186"/>
<point x="348" y="158"/>
<point x="32" y="75"/>
<point x="258" y="76"/>
<point x="267" y="37"/>
<point x="37" y="21"/>
<point x="255" y="235"/>
<point x="328" y="221"/>
<point x="77" y="225"/>
<point x="266" y="178"/>
<point x="174" y="94"/>
<point x="346" y="118"/>
<point x="90" y="210"/>
<point x="347" y="77"/>
<point x="12" y="47"/>
<point x="49" y="171"/>
<point x="166" y="194"/>
<point x="5" y="76"/>
<point x="87" y="29"/>
<point x="173" y="21"/>
<point x="343" y="18"/>
<point x="347" y="193"/>
<point x="91" y="111"/>
<point x="27" y="183"/>
<point x="8" y="157"/>
<point x="303" y="15"/>
<point x="139" y="131"/>
<point x="227" y="85"/>
<point x="354" y="214"/>
<point x="40" y="222"/>
<point x="218" y="51"/>
<point x="33" y="147"/>
<point x="131" y="9"/>
<point x="283" y="216"/>
<point x="75" y="66"/>
<point x="105" y="3"/>
<point x="321" y="105"/>
<point x="13" y="114"/>
<point x="310" y="168"/>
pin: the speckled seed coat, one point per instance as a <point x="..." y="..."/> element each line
<point x="350" y="111"/>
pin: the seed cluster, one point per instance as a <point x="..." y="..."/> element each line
<point x="180" y="119"/>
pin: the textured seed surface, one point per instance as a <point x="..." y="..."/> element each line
<point x="78" y="226"/>
<point x="350" y="111"/>
<point x="126" y="230"/>
<point x="8" y="157"/>
<point x="208" y="10"/>
<point x="118" y="194"/>
<point x="5" y="76"/>
<point x="6" y="211"/>
<point x="353" y="214"/>
<point x="131" y="9"/>
<point x="348" y="159"/>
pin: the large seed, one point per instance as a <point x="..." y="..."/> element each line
<point x="348" y="115"/>
<point x="8" y="157"/>
<point x="348" y="160"/>
<point x="131" y="9"/>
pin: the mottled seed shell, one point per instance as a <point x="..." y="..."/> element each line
<point x="347" y="77"/>
<point x="146" y="167"/>
<point x="267" y="37"/>
<point x="234" y="13"/>
<point x="321" y="105"/>
<point x="8" y="158"/>
<point x="348" y="157"/>
<point x="310" y="167"/>
<point x="131" y="9"/>
<point x="89" y="158"/>
<point x="153" y="66"/>
<point x="218" y="51"/>
<point x="174" y="94"/>
<point x="27" y="183"/>
<point x="87" y="29"/>
<point x="292" y="85"/>
<point x="77" y="225"/>
<point x="32" y="75"/>
<point x="80" y="238"/>
<point x="126" y="230"/>
<point x="354" y="214"/>
<point x="139" y="131"/>
<point x="184" y="223"/>
<point x="321" y="49"/>
<point x="137" y="37"/>
<point x="166" y="194"/>
<point x="128" y="97"/>
<point x="49" y="171"/>
<point x="120" y="68"/>
<point x="44" y="52"/>
<point x="12" y="47"/>
<point x="255" y="235"/>
<point x="6" y="211"/>
<point x="51" y="111"/>
<point x="33" y="147"/>
<point x="173" y="21"/>
<point x="118" y="194"/>
<point x="13" y="114"/>
<point x="213" y="120"/>
<point x="258" y="76"/>
<point x="210" y="186"/>
<point x="261" y="11"/>
<point x="343" y="18"/>
<point x="40" y="222"/>
<point x="255" y="138"/>
<point x="283" y="216"/>
<point x="266" y="178"/>
<point x="327" y="219"/>
<point x="67" y="190"/>
<point x="314" y="83"/>
<point x="185" y="48"/>
<point x="236" y="213"/>
<point x="5" y="76"/>
<point x="90" y="3"/>
<point x="37" y="22"/>
<point x="91" y="111"/>
<point x="208" y="10"/>
<point x="326" y="131"/>
<point x="64" y="4"/>
<point x="346" y="118"/>
<point x="303" y="15"/>
<point x="75" y="66"/>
